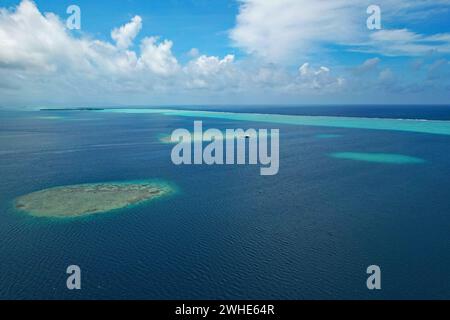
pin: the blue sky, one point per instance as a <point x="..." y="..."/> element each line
<point x="199" y="23"/>
<point x="223" y="52"/>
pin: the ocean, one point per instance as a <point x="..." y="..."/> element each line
<point x="350" y="192"/>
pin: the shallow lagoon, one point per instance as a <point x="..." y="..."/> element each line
<point x="86" y="199"/>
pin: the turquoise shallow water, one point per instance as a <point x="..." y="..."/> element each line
<point x="378" y="157"/>
<point x="406" y="125"/>
<point x="308" y="232"/>
<point x="327" y="136"/>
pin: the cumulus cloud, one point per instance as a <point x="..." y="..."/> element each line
<point x="33" y="41"/>
<point x="207" y="65"/>
<point x="41" y="60"/>
<point x="157" y="57"/>
<point x="38" y="51"/>
<point x="212" y="71"/>
<point x="318" y="78"/>
<point x="125" y="35"/>
<point x="39" y="55"/>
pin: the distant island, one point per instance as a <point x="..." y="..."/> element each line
<point x="72" y="109"/>
<point x="86" y="199"/>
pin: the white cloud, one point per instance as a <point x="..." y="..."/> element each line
<point x="42" y="61"/>
<point x="439" y="70"/>
<point x="158" y="57"/>
<point x="306" y="71"/>
<point x="35" y="42"/>
<point x="283" y="29"/>
<point x="125" y="35"/>
<point x="386" y="76"/>
<point x="318" y="79"/>
<point x="212" y="72"/>
<point x="37" y="49"/>
<point x="290" y="30"/>
<point x="31" y="40"/>
<point x="367" y="66"/>
<point x="207" y="65"/>
<point x="193" y="53"/>
<point x="403" y="42"/>
<point x="39" y="55"/>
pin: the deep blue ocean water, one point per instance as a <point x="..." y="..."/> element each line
<point x="229" y="233"/>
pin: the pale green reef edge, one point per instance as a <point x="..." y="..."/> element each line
<point x="80" y="200"/>
<point x="390" y="158"/>
<point x="407" y="125"/>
